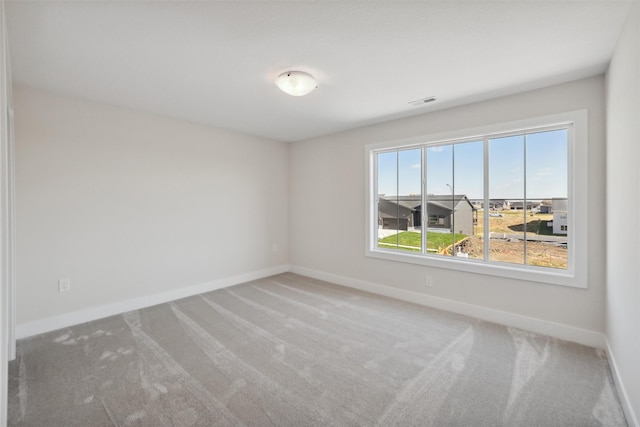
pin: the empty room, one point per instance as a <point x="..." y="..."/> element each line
<point x="297" y="213"/>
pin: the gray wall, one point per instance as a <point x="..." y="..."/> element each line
<point x="128" y="205"/>
<point x="341" y="252"/>
<point x="623" y="235"/>
<point x="6" y="347"/>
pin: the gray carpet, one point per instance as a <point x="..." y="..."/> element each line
<point x="293" y="351"/>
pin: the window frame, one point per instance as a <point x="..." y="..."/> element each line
<point x="576" y="274"/>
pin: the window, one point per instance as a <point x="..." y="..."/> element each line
<point x="436" y="219"/>
<point x="497" y="200"/>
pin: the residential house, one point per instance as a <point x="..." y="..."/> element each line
<point x="494" y="204"/>
<point x="559" y="210"/>
<point x="544" y="209"/>
<point x="520" y="205"/>
<point x="405" y="212"/>
<point x="499" y="204"/>
<point x="395" y="215"/>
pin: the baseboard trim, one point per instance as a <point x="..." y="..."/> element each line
<point x="558" y="330"/>
<point x="99" y="312"/>
<point x="632" y="419"/>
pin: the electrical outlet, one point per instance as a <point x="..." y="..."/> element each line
<point x="429" y="282"/>
<point x="64" y="285"/>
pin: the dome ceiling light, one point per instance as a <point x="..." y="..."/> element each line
<point x="296" y="83"/>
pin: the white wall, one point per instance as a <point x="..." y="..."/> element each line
<point x="623" y="228"/>
<point x="128" y="205"/>
<point x="5" y="312"/>
<point x="327" y="199"/>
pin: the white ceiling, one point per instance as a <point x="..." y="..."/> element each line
<point x="215" y="62"/>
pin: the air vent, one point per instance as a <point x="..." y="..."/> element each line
<point x="423" y="101"/>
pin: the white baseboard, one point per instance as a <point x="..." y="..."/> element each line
<point x="99" y="312"/>
<point x="632" y="419"/>
<point x="558" y="330"/>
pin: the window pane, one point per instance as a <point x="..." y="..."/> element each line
<point x="506" y="199"/>
<point x="440" y="200"/>
<point x="547" y="188"/>
<point x="388" y="215"/>
<point x="469" y="194"/>
<point x="410" y="199"/>
<point x="399" y="200"/>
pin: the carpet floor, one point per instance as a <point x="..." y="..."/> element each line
<point x="292" y="351"/>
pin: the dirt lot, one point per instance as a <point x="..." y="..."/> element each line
<point x="513" y="222"/>
<point x="540" y="254"/>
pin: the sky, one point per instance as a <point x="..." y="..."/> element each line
<point x="459" y="168"/>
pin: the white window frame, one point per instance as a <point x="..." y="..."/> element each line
<point x="577" y="169"/>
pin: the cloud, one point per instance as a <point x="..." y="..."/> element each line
<point x="544" y="172"/>
<point x="415" y="166"/>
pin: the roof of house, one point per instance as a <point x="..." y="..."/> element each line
<point x="389" y="209"/>
<point x="414" y="201"/>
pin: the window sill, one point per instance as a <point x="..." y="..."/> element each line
<point x="527" y="273"/>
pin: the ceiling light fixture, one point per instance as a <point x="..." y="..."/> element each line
<point x="296" y="83"/>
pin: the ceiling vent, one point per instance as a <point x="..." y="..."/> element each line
<point x="423" y="101"/>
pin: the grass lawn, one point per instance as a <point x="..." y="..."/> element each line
<point x="411" y="239"/>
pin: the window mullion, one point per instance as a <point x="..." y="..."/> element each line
<point x="376" y="206"/>
<point x="453" y="203"/>
<point x="485" y="205"/>
<point x="524" y="206"/>
<point x="397" y="199"/>
<point x="423" y="192"/>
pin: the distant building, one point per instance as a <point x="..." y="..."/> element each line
<point x="447" y="212"/>
<point x="499" y="204"/>
<point x="518" y="206"/>
<point x="494" y="204"/>
<point x="559" y="210"/>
